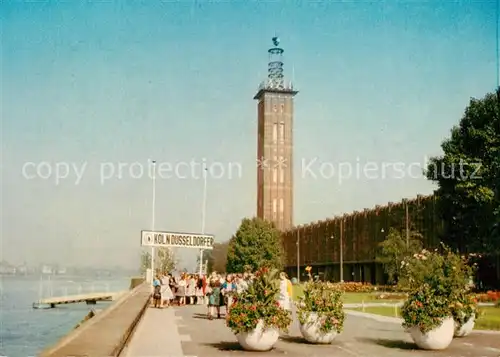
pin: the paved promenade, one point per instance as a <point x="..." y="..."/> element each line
<point x="179" y="332"/>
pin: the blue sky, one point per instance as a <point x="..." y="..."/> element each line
<point x="104" y="83"/>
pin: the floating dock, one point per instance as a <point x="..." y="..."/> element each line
<point x="89" y="299"/>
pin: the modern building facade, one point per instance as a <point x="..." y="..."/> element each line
<point x="275" y="144"/>
<point x="344" y="248"/>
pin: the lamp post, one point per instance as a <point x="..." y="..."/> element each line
<point x="203" y="214"/>
<point x="298" y="256"/>
<point x="407" y="224"/>
<point x="153" y="220"/>
<point x="342" y="250"/>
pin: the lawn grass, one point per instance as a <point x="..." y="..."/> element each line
<point x="349" y="298"/>
<point x="489" y="319"/>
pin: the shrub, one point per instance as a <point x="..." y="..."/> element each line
<point x="464" y="308"/>
<point x="259" y="303"/>
<point x="425" y="308"/>
<point x="324" y="299"/>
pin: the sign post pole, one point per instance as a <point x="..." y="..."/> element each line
<point x="203" y="213"/>
<point x="153" y="221"/>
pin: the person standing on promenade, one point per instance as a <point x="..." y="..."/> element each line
<point x="181" y="291"/>
<point x="214" y="298"/>
<point x="286" y="291"/>
<point x="241" y="284"/>
<point x="228" y="289"/>
<point x="200" y="295"/>
<point x="157" y="292"/>
<point x="191" y="289"/>
<point x="166" y="293"/>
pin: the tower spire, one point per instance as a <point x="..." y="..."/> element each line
<point x="276" y="79"/>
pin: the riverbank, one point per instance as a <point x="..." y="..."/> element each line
<point x="26" y="331"/>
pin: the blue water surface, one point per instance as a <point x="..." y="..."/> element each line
<point x="25" y="331"/>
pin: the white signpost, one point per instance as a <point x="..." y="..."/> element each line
<point x="175" y="239"/>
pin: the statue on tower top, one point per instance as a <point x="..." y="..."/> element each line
<point x="276" y="41"/>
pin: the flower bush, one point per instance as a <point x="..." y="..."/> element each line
<point x="324" y="299"/>
<point x="438" y="284"/>
<point x="425" y="309"/>
<point x="259" y="303"/>
<point x="464" y="308"/>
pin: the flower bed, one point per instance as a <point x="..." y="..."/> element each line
<point x="490" y="296"/>
<point x="354" y="287"/>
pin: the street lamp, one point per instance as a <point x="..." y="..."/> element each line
<point x="153" y="220"/>
<point x="203" y="214"/>
<point x="342" y="250"/>
<point x="298" y="256"/>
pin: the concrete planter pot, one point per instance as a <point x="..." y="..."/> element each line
<point x="466" y="328"/>
<point x="437" y="339"/>
<point x="260" y="339"/>
<point x="311" y="330"/>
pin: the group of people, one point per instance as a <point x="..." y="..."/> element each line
<point x="184" y="290"/>
<point x="216" y="290"/>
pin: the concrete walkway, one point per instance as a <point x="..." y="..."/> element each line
<point x="155" y="336"/>
<point x="180" y="332"/>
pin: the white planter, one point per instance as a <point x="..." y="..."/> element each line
<point x="311" y="330"/>
<point x="259" y="339"/>
<point x="466" y="328"/>
<point x="437" y="339"/>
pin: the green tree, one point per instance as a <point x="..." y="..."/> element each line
<point x="216" y="258"/>
<point x="165" y="261"/>
<point x="467" y="175"/>
<point x="257" y="243"/>
<point x="394" y="249"/>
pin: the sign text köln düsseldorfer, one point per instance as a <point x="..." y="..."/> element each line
<point x="174" y="239"/>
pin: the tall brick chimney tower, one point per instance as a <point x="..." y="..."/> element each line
<point x="275" y="144"/>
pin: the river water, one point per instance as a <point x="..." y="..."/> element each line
<point x="25" y="331"/>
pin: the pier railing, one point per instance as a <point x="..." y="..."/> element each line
<point x="107" y="333"/>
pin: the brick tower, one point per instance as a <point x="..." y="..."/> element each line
<point x="275" y="144"/>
